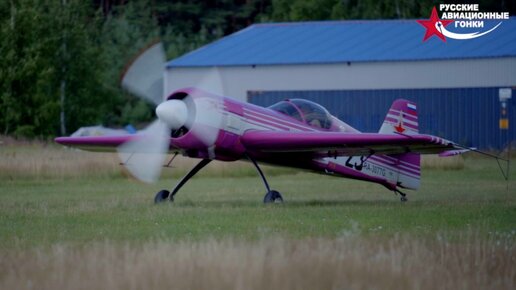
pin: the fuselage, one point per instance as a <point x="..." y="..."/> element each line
<point x="237" y="118"/>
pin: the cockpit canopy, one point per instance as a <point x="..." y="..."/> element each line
<point x="305" y="111"/>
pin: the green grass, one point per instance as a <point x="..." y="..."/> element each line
<point x="96" y="229"/>
<point x="44" y="212"/>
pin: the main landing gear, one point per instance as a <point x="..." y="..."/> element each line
<point x="403" y="197"/>
<point x="271" y="196"/>
<point x="163" y="195"/>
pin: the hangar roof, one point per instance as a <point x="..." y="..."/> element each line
<point x="347" y="41"/>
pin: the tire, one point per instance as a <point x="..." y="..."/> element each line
<point x="272" y="197"/>
<point x="161" y="196"/>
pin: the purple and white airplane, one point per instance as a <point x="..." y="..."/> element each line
<point x="294" y="133"/>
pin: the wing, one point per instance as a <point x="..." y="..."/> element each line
<point x="98" y="143"/>
<point x="324" y="144"/>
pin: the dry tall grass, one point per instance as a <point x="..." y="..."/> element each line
<point x="38" y="160"/>
<point x="41" y="160"/>
<point x="348" y="262"/>
<point x="444" y="163"/>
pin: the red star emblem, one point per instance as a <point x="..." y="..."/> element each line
<point x="399" y="127"/>
<point x="430" y="25"/>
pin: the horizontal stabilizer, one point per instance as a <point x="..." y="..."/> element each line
<point x="455" y="152"/>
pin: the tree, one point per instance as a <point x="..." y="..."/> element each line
<point x="32" y="49"/>
<point x="124" y="32"/>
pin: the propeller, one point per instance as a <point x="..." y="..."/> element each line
<point x="144" y="75"/>
<point x="145" y="154"/>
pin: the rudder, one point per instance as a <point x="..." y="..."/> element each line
<point x="402" y="119"/>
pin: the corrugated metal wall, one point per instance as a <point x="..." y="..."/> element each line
<point x="469" y="116"/>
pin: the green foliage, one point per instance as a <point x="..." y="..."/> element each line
<point x="122" y="34"/>
<point x="137" y="111"/>
<point x="25" y="131"/>
<point x="43" y="45"/>
<point x="303" y="10"/>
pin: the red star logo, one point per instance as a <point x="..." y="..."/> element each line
<point x="430" y="25"/>
<point x="399" y="127"/>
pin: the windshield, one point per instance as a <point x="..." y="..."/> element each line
<point x="305" y="111"/>
<point x="286" y="108"/>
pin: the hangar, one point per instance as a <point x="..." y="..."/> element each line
<point x="357" y="68"/>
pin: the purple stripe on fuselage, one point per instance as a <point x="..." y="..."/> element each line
<point x="233" y="107"/>
<point x="409" y="169"/>
<point x="394" y="161"/>
<point x="282" y="121"/>
<point x="248" y="121"/>
<point x="277" y="122"/>
<point x="395" y="165"/>
<point x="266" y="123"/>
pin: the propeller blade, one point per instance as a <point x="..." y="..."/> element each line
<point x="208" y="119"/>
<point x="144" y="75"/>
<point x="211" y="82"/>
<point x="145" y="155"/>
<point x="208" y="116"/>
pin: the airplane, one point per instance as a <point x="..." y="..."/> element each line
<point x="294" y="133"/>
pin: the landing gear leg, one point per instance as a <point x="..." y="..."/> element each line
<point x="272" y="195"/>
<point x="163" y="195"/>
<point x="403" y="197"/>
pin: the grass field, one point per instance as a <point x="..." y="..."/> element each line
<point x="68" y="221"/>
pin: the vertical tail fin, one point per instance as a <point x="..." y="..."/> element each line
<point x="409" y="169"/>
<point x="402" y="119"/>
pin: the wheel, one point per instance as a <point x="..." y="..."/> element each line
<point x="272" y="196"/>
<point x="403" y="199"/>
<point x="161" y="196"/>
